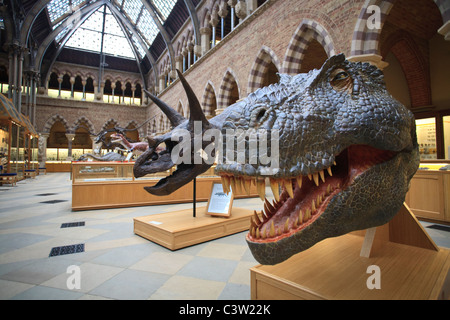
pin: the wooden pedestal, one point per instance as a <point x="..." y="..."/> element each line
<point x="411" y="267"/>
<point x="179" y="229"/>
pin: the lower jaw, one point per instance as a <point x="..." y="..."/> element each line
<point x="307" y="197"/>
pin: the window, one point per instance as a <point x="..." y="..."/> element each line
<point x="88" y="36"/>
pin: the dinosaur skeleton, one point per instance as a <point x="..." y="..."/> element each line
<point x="133" y="148"/>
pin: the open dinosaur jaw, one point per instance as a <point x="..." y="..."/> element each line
<point x="304" y="199"/>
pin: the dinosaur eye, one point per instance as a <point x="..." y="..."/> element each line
<point x="340" y="80"/>
<point x="260" y="115"/>
<point x="340" y="76"/>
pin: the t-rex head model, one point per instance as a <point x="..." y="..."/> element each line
<point x="346" y="153"/>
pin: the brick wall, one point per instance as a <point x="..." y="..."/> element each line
<point x="272" y="26"/>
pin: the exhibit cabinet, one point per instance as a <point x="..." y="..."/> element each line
<point x="99" y="185"/>
<point x="19" y="141"/>
<point x="429" y="193"/>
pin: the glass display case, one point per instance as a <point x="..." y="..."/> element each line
<point x="426" y="138"/>
<point x="98" y="171"/>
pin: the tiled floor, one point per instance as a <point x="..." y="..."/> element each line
<point x="116" y="263"/>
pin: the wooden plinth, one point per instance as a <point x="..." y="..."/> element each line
<point x="179" y="229"/>
<point x="410" y="268"/>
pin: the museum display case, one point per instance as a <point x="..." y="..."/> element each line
<point x="428" y="195"/>
<point x="18" y="144"/>
<point x="97" y="185"/>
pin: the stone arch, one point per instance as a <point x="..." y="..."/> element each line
<point x="51" y="121"/>
<point x="135" y="134"/>
<point x="228" y="88"/>
<point x="180" y="108"/>
<point x="306" y="31"/>
<point x="209" y="100"/>
<point x="110" y="124"/>
<point x="413" y="64"/>
<point x="366" y="39"/>
<point x="265" y="57"/>
<point x="83" y="120"/>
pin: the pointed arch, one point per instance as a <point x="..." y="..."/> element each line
<point x="414" y="66"/>
<point x="265" y="58"/>
<point x="365" y="39"/>
<point x="306" y="31"/>
<point x="209" y="100"/>
<point x="229" y="91"/>
<point x="83" y="122"/>
<point x="52" y="120"/>
<point x="180" y="108"/>
<point x="111" y="123"/>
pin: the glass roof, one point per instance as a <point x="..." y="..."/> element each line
<point x="88" y="36"/>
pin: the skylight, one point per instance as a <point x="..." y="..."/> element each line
<point x="88" y="36"/>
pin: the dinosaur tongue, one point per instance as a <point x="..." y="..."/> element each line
<point x="303" y="199"/>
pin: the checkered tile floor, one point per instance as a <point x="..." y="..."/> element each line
<point x="112" y="261"/>
<point x="115" y="263"/>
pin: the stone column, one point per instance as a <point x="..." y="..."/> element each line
<point x="232" y="4"/>
<point x="213" y="22"/>
<point x="70" y="137"/>
<point x="184" y="53"/>
<point x="161" y="82"/>
<point x="35" y="83"/>
<point x="133" y="91"/>
<point x="72" y="82"/>
<point x="113" y="86"/>
<point x="178" y="63"/>
<point x="223" y="12"/>
<point x="190" y="49"/>
<point x="241" y="9"/>
<point x="42" y="149"/>
<point x="19" y="79"/>
<point x="60" y="79"/>
<point x="83" y="82"/>
<point x="205" y="39"/>
<point x="252" y="5"/>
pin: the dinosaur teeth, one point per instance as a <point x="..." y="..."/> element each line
<point x="274" y="185"/>
<point x="225" y="184"/>
<point x="247" y="183"/>
<point x="256" y="217"/>
<point x="329" y="171"/>
<point x="316" y="179"/>
<point x="265" y="226"/>
<point x="288" y="186"/>
<point x="261" y="188"/>
<point x="299" y="181"/>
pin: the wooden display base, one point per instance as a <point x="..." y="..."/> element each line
<point x="179" y="229"/>
<point x="411" y="266"/>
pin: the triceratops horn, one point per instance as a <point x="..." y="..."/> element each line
<point x="174" y="117"/>
<point x="194" y="105"/>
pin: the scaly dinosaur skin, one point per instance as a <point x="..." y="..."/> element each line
<point x="347" y="152"/>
